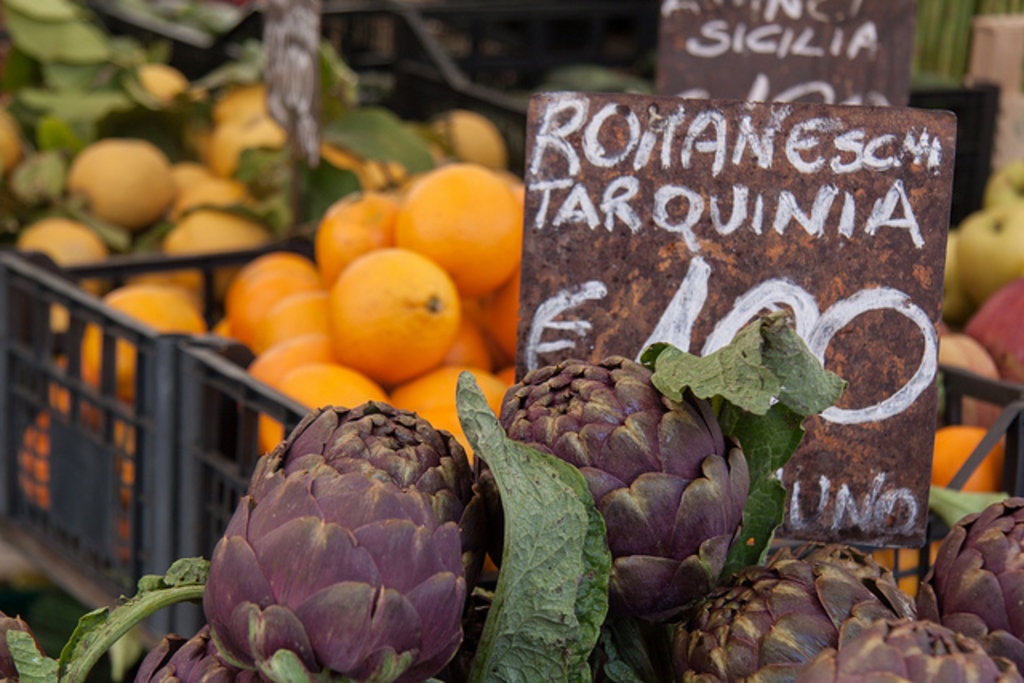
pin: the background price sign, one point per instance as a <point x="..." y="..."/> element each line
<point x="659" y="219"/>
<point x="291" y="42"/>
<point x="819" y="51"/>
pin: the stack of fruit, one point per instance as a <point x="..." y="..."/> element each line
<point x="983" y="305"/>
<point x="406" y="289"/>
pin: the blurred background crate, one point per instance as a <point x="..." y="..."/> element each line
<point x="911" y="565"/>
<point x="423" y="57"/>
<point x="100" y="487"/>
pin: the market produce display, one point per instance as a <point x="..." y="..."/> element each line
<point x="355" y="554"/>
<point x="434" y="517"/>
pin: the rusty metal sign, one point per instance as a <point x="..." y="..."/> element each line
<point x="291" y="43"/>
<point x="658" y="219"/>
<point x="817" y="51"/>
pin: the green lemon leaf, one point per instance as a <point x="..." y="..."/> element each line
<point x="552" y="592"/>
<point x="61" y="76"/>
<point x="54" y="134"/>
<point x="75" y="105"/>
<point x="45" y="10"/>
<point x="32" y="665"/>
<point x="74" y="41"/>
<point x="39" y="179"/>
<point x="377" y="133"/>
<point x="321" y="187"/>
<point x="20" y="71"/>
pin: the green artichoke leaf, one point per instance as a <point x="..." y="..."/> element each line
<point x="552" y="592"/>
<point x="766" y="362"/>
<point x="377" y="133"/>
<point x="33" y="666"/>
<point x="98" y="630"/>
<point x="768" y="442"/>
<point x="763" y="384"/>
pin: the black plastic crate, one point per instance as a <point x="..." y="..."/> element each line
<point x="94" y="484"/>
<point x="87" y="476"/>
<point x="976" y="109"/>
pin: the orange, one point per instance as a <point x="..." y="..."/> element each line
<point x="393" y="314"/>
<point x="953" y="445"/>
<point x="352" y="226"/>
<point x="467" y="219"/>
<point x="293" y="316"/>
<point x="446" y="418"/>
<point x="163" y="308"/>
<point x="222" y="328"/>
<point x="501" y="316"/>
<point x="470" y="347"/>
<point x="289" y="261"/>
<point x="256" y="289"/>
<point x="507" y="375"/>
<point x="906" y="561"/>
<point x="34" y="461"/>
<point x="437" y="388"/>
<point x="316" y="385"/>
<point x="277" y="361"/>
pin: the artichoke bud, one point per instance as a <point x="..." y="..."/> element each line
<point x="179" y="660"/>
<point x="670" y="487"/>
<point x="907" y="650"/>
<point x="338" y="563"/>
<point x="976" y="584"/>
<point x="382" y="442"/>
<point x="765" y="622"/>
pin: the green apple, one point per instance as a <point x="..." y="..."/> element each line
<point x="1005" y="184"/>
<point x="990" y="249"/>
<point x="957" y="306"/>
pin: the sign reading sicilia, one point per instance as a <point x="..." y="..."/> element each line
<point x="823" y="51"/>
<point x="660" y="219"/>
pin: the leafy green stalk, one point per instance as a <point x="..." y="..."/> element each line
<point x="762" y="386"/>
<point x="952" y="505"/>
<point x="552" y="593"/>
<point x="98" y="630"/>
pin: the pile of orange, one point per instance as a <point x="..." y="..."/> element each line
<point x="405" y="289"/>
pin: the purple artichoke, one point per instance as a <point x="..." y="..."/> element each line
<point x="670" y="487"/>
<point x="383" y="442"/>
<point x="8" y="671"/>
<point x="908" y="650"/>
<point x="976" y="584"/>
<point x="348" y="552"/>
<point x="767" y="621"/>
<point x="193" y="660"/>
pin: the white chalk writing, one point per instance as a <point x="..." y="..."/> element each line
<point x="890" y="508"/>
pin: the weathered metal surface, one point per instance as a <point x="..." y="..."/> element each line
<point x="660" y="219"/>
<point x="820" y="51"/>
<point x="291" y="41"/>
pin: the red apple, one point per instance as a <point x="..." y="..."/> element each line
<point x="960" y="350"/>
<point x="999" y="326"/>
